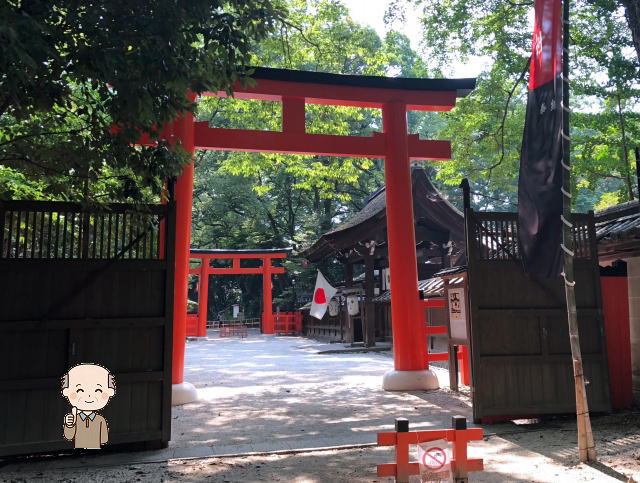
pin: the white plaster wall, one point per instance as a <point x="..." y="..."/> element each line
<point x="633" y="273"/>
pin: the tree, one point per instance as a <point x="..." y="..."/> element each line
<point x="486" y="128"/>
<point x="70" y="68"/>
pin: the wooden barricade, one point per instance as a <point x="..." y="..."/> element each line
<point x="192" y="325"/>
<point x="288" y="323"/>
<point x="234" y="330"/>
<point x="402" y="469"/>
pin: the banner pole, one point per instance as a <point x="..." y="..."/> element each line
<point x="586" y="445"/>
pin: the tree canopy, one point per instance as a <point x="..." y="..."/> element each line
<point x="70" y="68"/>
<point x="486" y="128"/>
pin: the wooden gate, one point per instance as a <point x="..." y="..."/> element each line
<point x="81" y="285"/>
<point x="521" y="359"/>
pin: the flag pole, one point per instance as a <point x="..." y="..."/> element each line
<point x="586" y="445"/>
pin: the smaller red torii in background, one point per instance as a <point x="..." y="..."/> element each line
<point x="266" y="270"/>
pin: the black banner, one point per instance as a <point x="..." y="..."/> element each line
<point x="540" y="182"/>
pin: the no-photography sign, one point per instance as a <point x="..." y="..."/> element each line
<point x="434" y="458"/>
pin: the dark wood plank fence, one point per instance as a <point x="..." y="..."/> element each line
<point x="84" y="285"/>
<point x="521" y="359"/>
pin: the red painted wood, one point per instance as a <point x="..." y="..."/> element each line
<point x="296" y="142"/>
<point x="403" y="468"/>
<point x="465" y="368"/>
<point x="268" y="326"/>
<point x="433" y="303"/>
<point x="406" y="311"/>
<point x="615" y="305"/>
<point x="192" y="325"/>
<point x="266" y="270"/>
<point x="239" y="256"/>
<point x="203" y="299"/>
<point x="336" y="95"/>
<point x="183" y="129"/>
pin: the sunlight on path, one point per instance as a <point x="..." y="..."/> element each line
<point x="272" y="393"/>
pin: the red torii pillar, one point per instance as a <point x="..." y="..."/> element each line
<point x="203" y="298"/>
<point x="267" y="306"/>
<point x="266" y="270"/>
<point x="183" y="129"/>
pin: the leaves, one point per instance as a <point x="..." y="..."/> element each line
<point x="69" y="69"/>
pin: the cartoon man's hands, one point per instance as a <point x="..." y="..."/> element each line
<point x="70" y="419"/>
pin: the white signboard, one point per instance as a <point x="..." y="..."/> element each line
<point x="236" y="310"/>
<point x="434" y="458"/>
<point x="457" y="313"/>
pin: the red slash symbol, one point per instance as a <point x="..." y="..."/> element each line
<point x="434" y="458"/>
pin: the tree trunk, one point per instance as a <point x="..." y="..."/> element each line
<point x="632" y="12"/>
<point x="625" y="151"/>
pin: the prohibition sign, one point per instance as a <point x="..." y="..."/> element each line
<point x="434" y="458"/>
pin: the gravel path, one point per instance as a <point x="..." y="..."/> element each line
<point x="278" y="398"/>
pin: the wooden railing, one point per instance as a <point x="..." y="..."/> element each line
<point x="496" y="235"/>
<point x="54" y="230"/>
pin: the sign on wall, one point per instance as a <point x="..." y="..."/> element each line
<point x="352" y="305"/>
<point x="457" y="313"/>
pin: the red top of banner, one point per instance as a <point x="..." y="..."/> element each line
<point x="546" y="58"/>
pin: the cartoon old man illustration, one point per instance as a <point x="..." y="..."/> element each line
<point x="88" y="387"/>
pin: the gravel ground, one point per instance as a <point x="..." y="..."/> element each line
<point x="274" y="396"/>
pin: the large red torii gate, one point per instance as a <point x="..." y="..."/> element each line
<point x="266" y="256"/>
<point x="295" y="89"/>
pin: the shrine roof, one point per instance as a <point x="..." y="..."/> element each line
<point x="618" y="231"/>
<point x="462" y="86"/>
<point x="370" y="222"/>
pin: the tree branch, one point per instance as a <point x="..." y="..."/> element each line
<point x="504" y="116"/>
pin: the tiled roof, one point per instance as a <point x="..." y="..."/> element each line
<point x="432" y="287"/>
<point x="619" y="222"/>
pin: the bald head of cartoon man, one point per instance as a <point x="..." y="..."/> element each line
<point x="88" y="387"/>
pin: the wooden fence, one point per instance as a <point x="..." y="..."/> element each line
<point x="84" y="284"/>
<point x="521" y="359"/>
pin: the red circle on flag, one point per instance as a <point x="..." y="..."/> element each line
<point x="320" y="297"/>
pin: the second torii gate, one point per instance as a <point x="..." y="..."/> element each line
<point x="267" y="269"/>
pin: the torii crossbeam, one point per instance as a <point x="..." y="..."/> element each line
<point x="295" y="89"/>
<point x="266" y="256"/>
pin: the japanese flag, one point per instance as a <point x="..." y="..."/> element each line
<point x="322" y="295"/>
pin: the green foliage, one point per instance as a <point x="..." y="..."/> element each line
<point x="486" y="128"/>
<point x="69" y="69"/>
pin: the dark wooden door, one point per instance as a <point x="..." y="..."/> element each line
<point x="78" y="287"/>
<point x="521" y="359"/>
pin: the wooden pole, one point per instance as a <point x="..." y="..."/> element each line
<point x="586" y="446"/>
